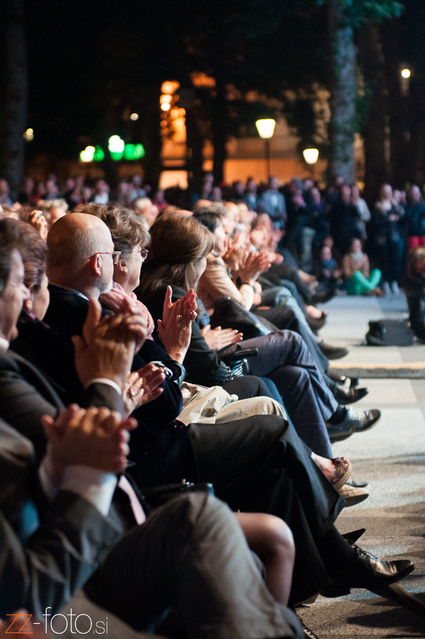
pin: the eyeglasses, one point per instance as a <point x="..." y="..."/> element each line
<point x="143" y="252"/>
<point x="114" y="254"/>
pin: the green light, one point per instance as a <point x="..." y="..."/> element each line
<point x="139" y="152"/>
<point x="130" y="152"/>
<point x="116" y="156"/>
<point x="98" y="154"/>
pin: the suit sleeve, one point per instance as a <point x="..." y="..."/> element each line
<point x="56" y="560"/>
<point x="23" y="400"/>
<point x="166" y="407"/>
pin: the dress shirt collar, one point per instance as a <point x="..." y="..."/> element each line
<point x="71" y="290"/>
<point x="4" y="345"/>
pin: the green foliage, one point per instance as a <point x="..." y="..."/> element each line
<point x="358" y="12"/>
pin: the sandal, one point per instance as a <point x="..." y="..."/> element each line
<point x="342" y="472"/>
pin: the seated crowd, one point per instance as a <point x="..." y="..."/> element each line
<point x="150" y="347"/>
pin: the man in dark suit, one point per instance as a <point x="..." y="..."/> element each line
<point x="157" y="565"/>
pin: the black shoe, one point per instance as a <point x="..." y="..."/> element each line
<point x="354" y="535"/>
<point x="344" y="395"/>
<point x="316" y="323"/>
<point x="354" y="422"/>
<point x="370" y="572"/>
<point x="333" y="352"/>
<point x="350" y="382"/>
<point x="323" y="296"/>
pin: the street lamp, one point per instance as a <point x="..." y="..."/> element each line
<point x="311" y="156"/>
<point x="265" y="128"/>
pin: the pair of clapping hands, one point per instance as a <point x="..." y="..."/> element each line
<point x="107" y="346"/>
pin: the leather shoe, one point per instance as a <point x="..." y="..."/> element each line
<point x="370" y="572"/>
<point x="316" y="323"/>
<point x="353" y="495"/>
<point x="354" y="422"/>
<point x="333" y="352"/>
<point x="344" y="395"/>
<point x="350" y="382"/>
<point x="323" y="296"/>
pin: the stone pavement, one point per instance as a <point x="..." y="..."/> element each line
<point x="391" y="457"/>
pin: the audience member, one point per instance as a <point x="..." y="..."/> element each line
<point x="415" y="218"/>
<point x="355" y="268"/>
<point x="273" y="203"/>
<point x="386" y="236"/>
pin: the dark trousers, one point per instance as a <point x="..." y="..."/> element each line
<point x="190" y="555"/>
<point x="285" y="359"/>
<point x="283" y="271"/>
<point x="259" y="464"/>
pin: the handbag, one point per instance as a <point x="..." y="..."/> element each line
<point x="231" y="314"/>
<point x="202" y="405"/>
<point x="388" y="332"/>
<point x="201" y="402"/>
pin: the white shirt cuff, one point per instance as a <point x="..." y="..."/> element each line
<point x="105" y="380"/>
<point x="94" y="485"/>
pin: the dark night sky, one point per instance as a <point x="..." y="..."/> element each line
<point x="67" y="76"/>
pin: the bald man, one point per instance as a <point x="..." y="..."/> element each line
<point x="80" y="264"/>
<point x="81" y="255"/>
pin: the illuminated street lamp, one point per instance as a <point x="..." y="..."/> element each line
<point x="265" y="128"/>
<point x="406" y="75"/>
<point x="311" y="156"/>
<point x="29" y="135"/>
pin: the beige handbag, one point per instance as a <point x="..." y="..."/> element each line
<point x="202" y="405"/>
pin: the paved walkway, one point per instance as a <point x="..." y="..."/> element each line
<point x="391" y="457"/>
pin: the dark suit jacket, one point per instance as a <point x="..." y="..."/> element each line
<point x="43" y="566"/>
<point x="66" y="315"/>
<point x="162" y="452"/>
<point x="26" y="395"/>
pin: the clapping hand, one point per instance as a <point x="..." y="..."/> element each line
<point x="175" y="328"/>
<point x="95" y="437"/>
<point x="142" y="387"/>
<point x="39" y="222"/>
<point x="218" y="337"/>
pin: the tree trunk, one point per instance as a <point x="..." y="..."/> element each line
<point x="15" y="94"/>
<point x="343" y="96"/>
<point x="374" y="132"/>
<point x="219" y="117"/>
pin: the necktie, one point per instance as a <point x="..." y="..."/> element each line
<point x="136" y="507"/>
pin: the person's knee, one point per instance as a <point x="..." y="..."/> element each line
<point x="277" y="537"/>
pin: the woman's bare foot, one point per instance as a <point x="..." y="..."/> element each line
<point x="327" y="466"/>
